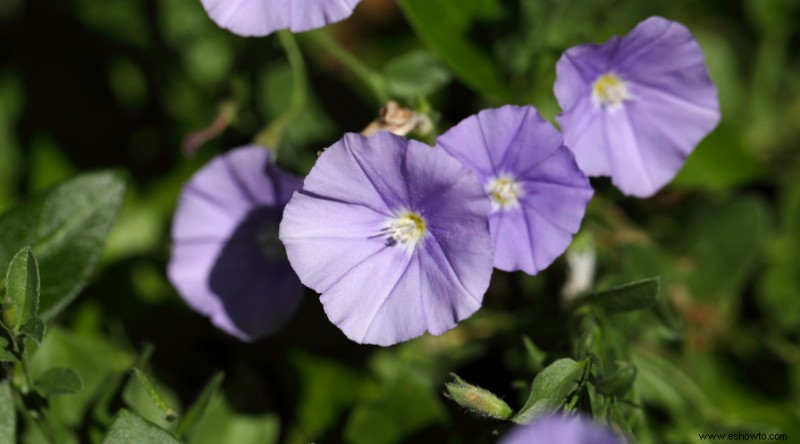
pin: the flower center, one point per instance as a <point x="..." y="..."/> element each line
<point x="609" y="91"/>
<point x="504" y="191"/>
<point x="261" y="226"/>
<point x="405" y="229"/>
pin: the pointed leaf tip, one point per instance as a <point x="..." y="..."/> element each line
<point x="21" y="302"/>
<point x="634" y="296"/>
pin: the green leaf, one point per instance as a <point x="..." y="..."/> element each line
<point x="620" y="383"/>
<point x="719" y="162"/>
<point x="312" y="125"/>
<point x="780" y="283"/>
<point x="415" y="74"/>
<point x="534" y="354"/>
<point x="5" y="354"/>
<point x="401" y="407"/>
<point x="21" y="302"/>
<point x="222" y="425"/>
<point x="198" y="409"/>
<point x="34" y="329"/>
<point x="724" y="242"/>
<point x="663" y="382"/>
<point x="93" y="356"/>
<point x="66" y="227"/>
<point x="630" y="297"/>
<point x="169" y="413"/>
<point x="550" y="389"/>
<point x="59" y="381"/>
<point x="8" y="414"/>
<point x="328" y="389"/>
<point x="129" y="428"/>
<point x="443" y="26"/>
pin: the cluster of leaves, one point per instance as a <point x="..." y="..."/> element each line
<point x="602" y="377"/>
<point x="42" y="401"/>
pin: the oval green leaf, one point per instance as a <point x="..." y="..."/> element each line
<point x="129" y="428"/>
<point x="629" y="297"/>
<point x="66" y="227"/>
<point x="21" y="302"/>
<point x="550" y="389"/>
<point x="59" y="381"/>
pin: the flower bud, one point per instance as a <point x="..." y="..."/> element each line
<point x="476" y="399"/>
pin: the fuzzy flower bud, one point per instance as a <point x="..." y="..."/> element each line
<point x="476" y="399"/>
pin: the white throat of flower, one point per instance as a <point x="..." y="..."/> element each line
<point x="609" y="91"/>
<point x="406" y="230"/>
<point x="504" y="191"/>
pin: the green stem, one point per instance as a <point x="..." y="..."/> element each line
<point x="376" y="82"/>
<point x="271" y="135"/>
<point x="18" y="351"/>
<point x="42" y="420"/>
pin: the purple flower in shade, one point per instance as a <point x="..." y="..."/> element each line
<point x="560" y="430"/>
<point x="227" y="262"/>
<point x="538" y="194"/>
<point x="394" y="235"/>
<point x="635" y="107"/>
<point x="262" y="17"/>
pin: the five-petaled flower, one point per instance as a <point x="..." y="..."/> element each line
<point x="227" y="262"/>
<point x="635" y="107"/>
<point x="262" y="17"/>
<point x="395" y="236"/>
<point x="538" y="193"/>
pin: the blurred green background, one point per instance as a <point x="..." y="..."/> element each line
<point x="89" y="84"/>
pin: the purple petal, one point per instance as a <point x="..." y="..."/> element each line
<point x="227" y="262"/>
<point x="351" y="175"/>
<point x="262" y="17"/>
<point x="374" y="289"/>
<point x="221" y="195"/>
<point x="671" y="105"/>
<point x="560" y="430"/>
<point x="517" y="142"/>
<point x="588" y="130"/>
<point x="318" y="230"/>
<point x="656" y="47"/>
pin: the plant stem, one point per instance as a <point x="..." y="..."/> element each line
<point x="373" y="79"/>
<point x="271" y="135"/>
<point x="41" y="420"/>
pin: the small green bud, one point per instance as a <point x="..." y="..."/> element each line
<point x="476" y="399"/>
<point x="9" y="318"/>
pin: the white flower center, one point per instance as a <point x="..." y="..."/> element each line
<point x="609" y="91"/>
<point x="406" y="229"/>
<point x="504" y="191"/>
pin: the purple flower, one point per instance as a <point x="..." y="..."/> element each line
<point x="262" y="17"/>
<point x="394" y="235"/>
<point x="560" y="430"/>
<point x="227" y="262"/>
<point x="635" y="107"/>
<point x="538" y="194"/>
